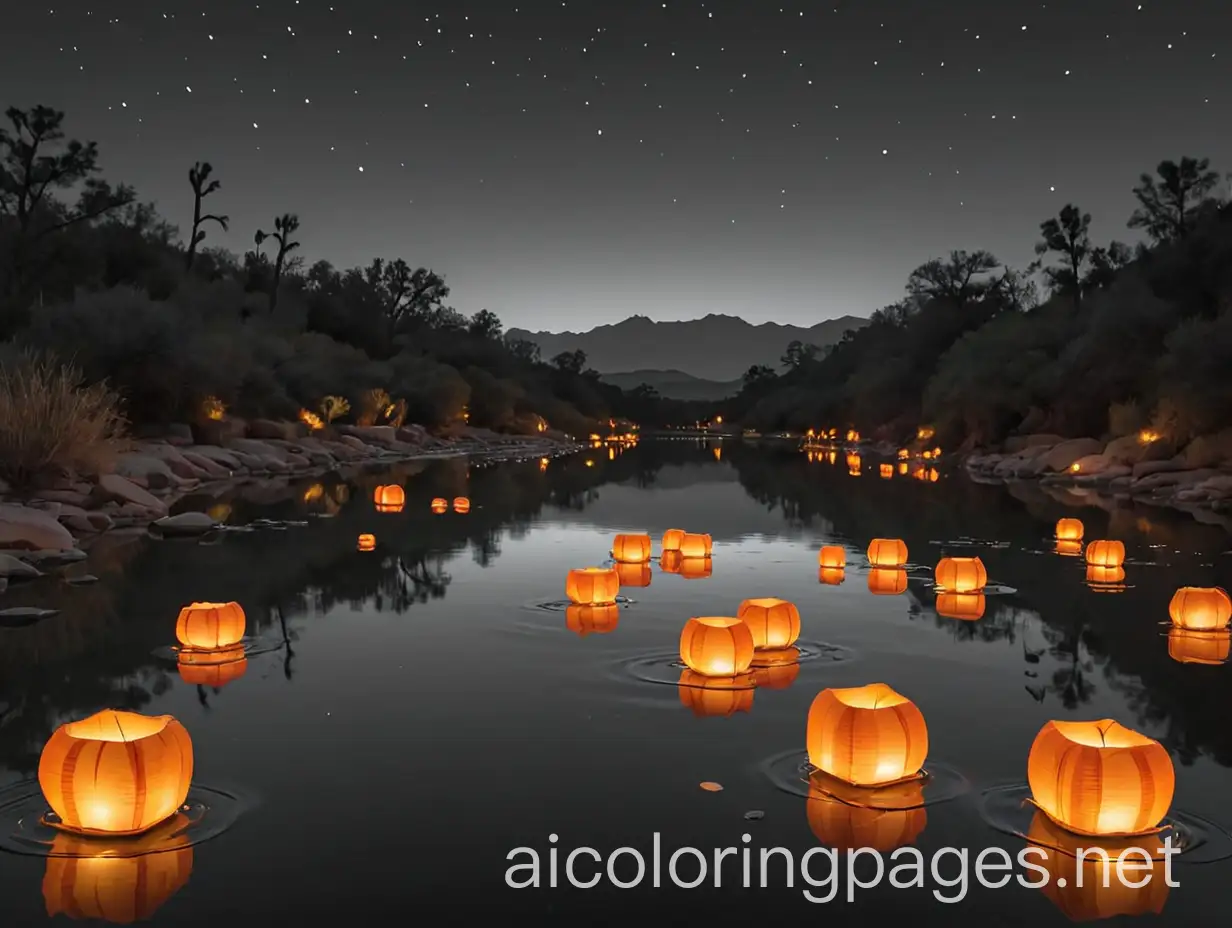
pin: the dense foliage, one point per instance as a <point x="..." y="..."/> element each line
<point x="1125" y="340"/>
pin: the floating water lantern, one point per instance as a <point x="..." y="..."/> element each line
<point x="774" y="623"/>
<point x="632" y="575"/>
<point x="1106" y="579"/>
<point x="116" y="773"/>
<point x="440" y="505"/>
<point x="967" y="607"/>
<point x="631" y="549"/>
<point x="903" y="468"/>
<point x="1070" y="530"/>
<point x="887" y="552"/>
<point x="592" y="586"/>
<point x="885" y="581"/>
<point x="886" y="471"/>
<point x="1106" y="553"/>
<point x="1100" y="778"/>
<point x="1197" y="608"/>
<point x="831" y="576"/>
<point x="832" y="556"/>
<point x="366" y="542"/>
<point x="1069" y="548"/>
<point x="461" y="505"/>
<point x="839" y="819"/>
<point x="119" y="890"/>
<point x="866" y="735"/>
<point x="714" y="697"/>
<point x="716" y="646"/>
<point x="209" y="626"/>
<point x="389" y="498"/>
<point x="960" y="575"/>
<point x="694" y="545"/>
<point x="672" y="539"/>
<point x="592" y="620"/>
<point x="1190" y="647"/>
<point x="212" y="668"/>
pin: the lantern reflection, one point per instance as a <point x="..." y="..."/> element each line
<point x="1090" y="887"/>
<point x="592" y="620"/>
<point x="1191" y="647"/>
<point x="212" y="668"/>
<point x="1069" y="548"/>
<point x="883" y="581"/>
<point x="1205" y="609"/>
<point x="440" y="505"/>
<point x="461" y="505"/>
<point x="389" y="498"/>
<point x="774" y="623"/>
<point x="840" y="817"/>
<point x="866" y="735"/>
<point x="631" y="549"/>
<point x="712" y="697"/>
<point x="366" y="542"/>
<point x="776" y="669"/>
<point x="831" y="576"/>
<point x="1106" y="579"/>
<point x="633" y="575"/>
<point x="886" y="471"/>
<point x="694" y="568"/>
<point x="592" y="586"/>
<point x="716" y="646"/>
<point x="967" y="607"/>
<point x="1100" y="778"/>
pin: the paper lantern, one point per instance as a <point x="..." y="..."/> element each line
<point x="633" y="574"/>
<point x="440" y="505"/>
<point x="390" y="498"/>
<point x="1106" y="553"/>
<point x="887" y="552"/>
<point x="1069" y="548"/>
<point x="1106" y="579"/>
<point x="716" y="646"/>
<point x="883" y="581"/>
<point x="853" y="464"/>
<point x="120" y="890"/>
<point x="839" y="816"/>
<point x="1200" y="609"/>
<point x="1100" y="778"/>
<point x="692" y="545"/>
<point x="366" y="542"/>
<point x="1190" y="647"/>
<point x="209" y="626"/>
<point x="903" y="468"/>
<point x="592" y="586"/>
<point x="1070" y="530"/>
<point x="587" y="620"/>
<point x="461" y="505"/>
<point x="1098" y="892"/>
<point x="777" y="669"/>
<point x="774" y="623"/>
<point x="832" y="576"/>
<point x="712" y="697"/>
<point x="866" y="735"/>
<point x="212" y="668"/>
<point x="631" y="549"/>
<point x="695" y="568"/>
<point x="832" y="556"/>
<point x="965" y="606"/>
<point x="672" y="538"/>
<point x="116" y="773"/>
<point x="961" y="574"/>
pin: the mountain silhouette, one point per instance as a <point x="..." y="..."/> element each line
<point x="713" y="348"/>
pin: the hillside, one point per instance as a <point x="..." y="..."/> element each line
<point x="675" y="385"/>
<point x="719" y="348"/>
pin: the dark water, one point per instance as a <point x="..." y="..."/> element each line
<point x="423" y="717"/>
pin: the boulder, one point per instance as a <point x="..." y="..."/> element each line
<point x="211" y="469"/>
<point x="220" y="456"/>
<point x="184" y="524"/>
<point x="412" y="434"/>
<point x="24" y="527"/>
<point x="256" y="448"/>
<point x="179" y="434"/>
<point x="65" y="497"/>
<point x="13" y="569"/>
<point x="1146" y="468"/>
<point x="1091" y="464"/>
<point x="267" y="428"/>
<point x="1017" y="443"/>
<point x="370" y="434"/>
<point x="175" y="460"/>
<point x="1167" y="479"/>
<point x="78" y="519"/>
<point x="352" y="442"/>
<point x="113" y="487"/>
<point x="1061" y="457"/>
<point x="145" y="470"/>
<point x="218" y="431"/>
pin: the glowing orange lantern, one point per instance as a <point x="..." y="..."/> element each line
<point x="716" y="646"/>
<point x="853" y="464"/>
<point x="440" y="505"/>
<point x="774" y="623"/>
<point x="886" y="471"/>
<point x="933" y="475"/>
<point x="961" y="574"/>
<point x="390" y="498"/>
<point x="592" y="586"/>
<point x="1098" y="891"/>
<point x="1190" y="647"/>
<point x="692" y="545"/>
<point x="832" y="556"/>
<point x="840" y="818"/>
<point x="883" y="581"/>
<point x="1197" y="608"/>
<point x="695" y="568"/>
<point x="213" y="668"/>
<point x="1070" y="530"/>
<point x="461" y="505"/>
<point x="633" y="574"/>
<point x="776" y="670"/>
<point x="670" y="561"/>
<point x="1100" y="778"/>
<point x="965" y="606"/>
<point x="366" y="542"/>
<point x="1069" y="548"/>
<point x="866" y="735"/>
<point x="116" y="773"/>
<point x="887" y="552"/>
<point x="712" y="697"/>
<point x="1106" y="553"/>
<point x="209" y="626"/>
<point x="1106" y="579"/>
<point x="903" y="468"/>
<point x="587" y="620"/>
<point x="831" y="576"/>
<point x="631" y="549"/>
<point x="120" y="890"/>
<point x="672" y="539"/>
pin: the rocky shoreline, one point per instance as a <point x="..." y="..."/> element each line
<point x="64" y="509"/>
<point x="1143" y="468"/>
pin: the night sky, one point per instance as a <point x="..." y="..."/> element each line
<point x="570" y="164"/>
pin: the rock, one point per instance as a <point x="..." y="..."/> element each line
<point x="412" y="434"/>
<point x="120" y="489"/>
<point x="1107" y="473"/>
<point x="267" y="428"/>
<point x="1091" y="464"/>
<point x="1018" y="443"/>
<point x="1167" y="479"/>
<point x="255" y="448"/>
<point x="78" y="519"/>
<point x="220" y="456"/>
<point x="211" y="469"/>
<point x="65" y="497"/>
<point x="175" y="460"/>
<point x="20" y="616"/>
<point x="352" y="442"/>
<point x="13" y="569"/>
<point x="1146" y="468"/>
<point x="1209" y="450"/>
<point x="184" y="524"/>
<point x="180" y="434"/>
<point x="148" y="471"/>
<point x="53" y="556"/>
<point x="370" y="434"/>
<point x="28" y="528"/>
<point x="218" y="431"/>
<point x="1061" y="457"/>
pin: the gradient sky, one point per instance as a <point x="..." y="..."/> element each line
<point x="567" y="164"/>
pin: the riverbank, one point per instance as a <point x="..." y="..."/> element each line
<point x="151" y="474"/>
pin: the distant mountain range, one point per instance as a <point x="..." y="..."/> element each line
<point x="697" y="357"/>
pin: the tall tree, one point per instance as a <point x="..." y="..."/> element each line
<point x="798" y="353"/>
<point x="572" y="362"/>
<point x="285" y="226"/>
<point x="1068" y="236"/>
<point x="1104" y="264"/>
<point x="959" y="279"/>
<point x="1170" y="206"/>
<point x="486" y="324"/>
<point x="202" y="186"/>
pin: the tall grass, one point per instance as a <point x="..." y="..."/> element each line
<point x="50" y="420"/>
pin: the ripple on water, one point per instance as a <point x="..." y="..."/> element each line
<point x="247" y="647"/>
<point x="30" y="828"/>
<point x="666" y="668"/>
<point x="1009" y="810"/>
<point x="792" y="773"/>
<point x="562" y="605"/>
<point x="989" y="589"/>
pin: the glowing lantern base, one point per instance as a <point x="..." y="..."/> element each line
<point x="592" y="620"/>
<point x="774" y="623"/>
<point x="847" y="817"/>
<point x="831" y="576"/>
<point x="867" y="736"/>
<point x="1189" y="647"/>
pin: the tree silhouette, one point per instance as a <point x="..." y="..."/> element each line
<point x="1105" y="263"/>
<point x="198" y="177"/>
<point x="485" y="324"/>
<point x="959" y="279"/>
<point x="798" y="353"/>
<point x="1067" y="235"/>
<point x="285" y="226"/>
<point x="1170" y="207"/>
<point x="758" y="375"/>
<point x="572" y="362"/>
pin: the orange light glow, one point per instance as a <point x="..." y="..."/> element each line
<point x="631" y="549"/>
<point x="887" y="552"/>
<point x="633" y="575"/>
<point x="209" y="626"/>
<point x="831" y="576"/>
<point x="866" y="735"/>
<point x="839" y="817"/>
<point x="716" y="646"/>
<point x="776" y="670"/>
<point x="1200" y="609"/>
<point x="1069" y="548"/>
<point x="774" y="623"/>
<point x="366" y="542"/>
<point x="887" y="581"/>
<point x="212" y="668"/>
<point x="967" y="607"/>
<point x="440" y="505"/>
<point x="592" y="586"/>
<point x="1106" y="553"/>
<point x="1106" y="579"/>
<point x="694" y="568"/>
<point x="695" y="545"/>
<point x="461" y="505"/>
<point x="1070" y="530"/>
<point x="832" y="556"/>
<point x="390" y="498"/>
<point x="886" y="471"/>
<point x="1190" y="647"/>
<point x="715" y="697"/>
<point x="312" y="420"/>
<point x="960" y="575"/>
<point x="588" y="620"/>
<point x="672" y="539"/>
